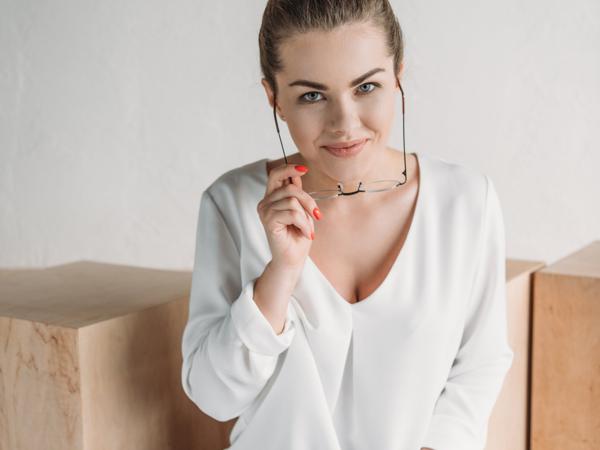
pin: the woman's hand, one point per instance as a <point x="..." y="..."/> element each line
<point x="287" y="212"/>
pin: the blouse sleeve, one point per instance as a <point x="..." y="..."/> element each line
<point x="229" y="348"/>
<point x="461" y="414"/>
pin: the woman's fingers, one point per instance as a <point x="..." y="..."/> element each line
<point x="287" y="203"/>
<point x="305" y="200"/>
<point x="279" y="176"/>
<point x="299" y="217"/>
<point x="291" y="217"/>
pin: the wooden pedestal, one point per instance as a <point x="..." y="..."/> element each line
<point x="566" y="353"/>
<point x="509" y="423"/>
<point x="90" y="358"/>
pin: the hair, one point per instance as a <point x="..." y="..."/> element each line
<point x="284" y="18"/>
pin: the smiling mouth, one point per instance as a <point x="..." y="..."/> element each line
<point x="346" y="151"/>
<point x="345" y="145"/>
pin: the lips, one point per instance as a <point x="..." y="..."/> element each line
<point x="344" y="145"/>
<point x="346" y="152"/>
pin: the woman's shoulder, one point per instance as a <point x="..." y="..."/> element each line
<point x="455" y="180"/>
<point x="240" y="183"/>
<point x="458" y="190"/>
<point x="455" y="177"/>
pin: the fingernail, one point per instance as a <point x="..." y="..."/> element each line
<point x="312" y="236"/>
<point x="317" y="213"/>
<point x="300" y="168"/>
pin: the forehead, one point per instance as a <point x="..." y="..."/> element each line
<point x="334" y="56"/>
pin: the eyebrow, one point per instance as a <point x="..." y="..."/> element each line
<point x="322" y="87"/>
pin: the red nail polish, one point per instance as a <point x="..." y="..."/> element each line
<point x="300" y="168"/>
<point x="317" y="213"/>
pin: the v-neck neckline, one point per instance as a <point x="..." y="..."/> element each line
<point x="414" y="223"/>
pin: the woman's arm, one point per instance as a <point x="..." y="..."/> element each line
<point x="462" y="411"/>
<point x="229" y="348"/>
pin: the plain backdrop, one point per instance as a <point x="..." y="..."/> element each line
<point x="115" y="115"/>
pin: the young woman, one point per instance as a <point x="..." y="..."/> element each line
<point x="332" y="308"/>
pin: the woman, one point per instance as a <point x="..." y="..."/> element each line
<point x="372" y="320"/>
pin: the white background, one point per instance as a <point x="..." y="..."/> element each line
<point x="115" y="115"/>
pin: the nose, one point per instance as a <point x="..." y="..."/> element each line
<point x="342" y="117"/>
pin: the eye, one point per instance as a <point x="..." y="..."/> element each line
<point x="309" y="97"/>
<point x="304" y="98"/>
<point x="375" y="85"/>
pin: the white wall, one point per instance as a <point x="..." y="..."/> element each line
<point x="115" y="115"/>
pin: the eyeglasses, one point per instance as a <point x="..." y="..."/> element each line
<point x="371" y="186"/>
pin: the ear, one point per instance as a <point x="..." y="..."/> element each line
<point x="271" y="96"/>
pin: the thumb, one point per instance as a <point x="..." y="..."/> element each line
<point x="297" y="181"/>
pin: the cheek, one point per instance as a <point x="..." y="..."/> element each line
<point x="379" y="114"/>
<point x="304" y="126"/>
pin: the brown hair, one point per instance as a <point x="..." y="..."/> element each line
<point x="284" y="18"/>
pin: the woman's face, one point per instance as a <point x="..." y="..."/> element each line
<point x="335" y="87"/>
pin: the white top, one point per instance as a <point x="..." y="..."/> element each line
<point x="418" y="363"/>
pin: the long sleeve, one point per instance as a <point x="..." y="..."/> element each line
<point x="229" y="348"/>
<point x="461" y="413"/>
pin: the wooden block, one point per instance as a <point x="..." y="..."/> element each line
<point x="90" y="358"/>
<point x="566" y="353"/>
<point x="511" y="411"/>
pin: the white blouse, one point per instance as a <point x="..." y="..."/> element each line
<point x="418" y="363"/>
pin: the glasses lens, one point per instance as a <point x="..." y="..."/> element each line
<point x="322" y="195"/>
<point x="378" y="186"/>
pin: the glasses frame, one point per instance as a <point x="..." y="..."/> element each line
<point x="340" y="187"/>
